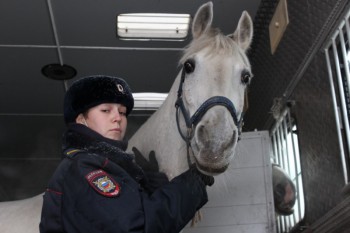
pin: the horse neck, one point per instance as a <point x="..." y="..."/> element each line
<point x="160" y="134"/>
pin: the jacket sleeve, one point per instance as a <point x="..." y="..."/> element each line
<point x="172" y="206"/>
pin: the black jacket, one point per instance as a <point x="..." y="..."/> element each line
<point x="98" y="188"/>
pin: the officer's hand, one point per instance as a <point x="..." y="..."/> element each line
<point x="150" y="165"/>
<point x="155" y="179"/>
<point x="207" y="180"/>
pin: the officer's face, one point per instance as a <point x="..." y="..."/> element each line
<point x="108" y="119"/>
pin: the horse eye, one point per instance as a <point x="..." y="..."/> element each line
<point x="245" y="78"/>
<point x="189" y="66"/>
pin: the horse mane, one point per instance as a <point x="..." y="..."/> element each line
<point x="213" y="40"/>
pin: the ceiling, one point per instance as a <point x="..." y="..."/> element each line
<point x="82" y="34"/>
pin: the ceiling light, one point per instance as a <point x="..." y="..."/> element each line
<point x="148" y="100"/>
<point x="153" y="26"/>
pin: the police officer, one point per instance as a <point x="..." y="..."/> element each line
<point x="98" y="187"/>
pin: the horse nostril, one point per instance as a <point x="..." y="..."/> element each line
<point x="202" y="134"/>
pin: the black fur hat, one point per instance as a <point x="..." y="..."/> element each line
<point x="93" y="90"/>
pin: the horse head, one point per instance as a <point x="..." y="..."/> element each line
<point x="284" y="191"/>
<point x="211" y="93"/>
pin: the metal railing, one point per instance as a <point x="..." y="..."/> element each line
<point x="285" y="150"/>
<point x="337" y="54"/>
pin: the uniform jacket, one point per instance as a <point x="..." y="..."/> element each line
<point x="98" y="188"/>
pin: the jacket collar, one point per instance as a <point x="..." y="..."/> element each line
<point x="80" y="137"/>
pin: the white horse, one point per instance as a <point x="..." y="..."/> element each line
<point x="209" y="94"/>
<point x="284" y="191"/>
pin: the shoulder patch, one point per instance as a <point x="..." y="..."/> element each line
<point x="103" y="183"/>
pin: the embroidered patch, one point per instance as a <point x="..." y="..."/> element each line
<point x="103" y="183"/>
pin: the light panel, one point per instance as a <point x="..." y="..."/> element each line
<point x="153" y="26"/>
<point x="148" y="100"/>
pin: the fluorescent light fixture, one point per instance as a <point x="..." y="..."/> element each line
<point x="153" y="26"/>
<point x="148" y="100"/>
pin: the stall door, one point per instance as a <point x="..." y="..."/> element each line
<point x="241" y="200"/>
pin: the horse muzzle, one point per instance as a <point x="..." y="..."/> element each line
<point x="214" y="140"/>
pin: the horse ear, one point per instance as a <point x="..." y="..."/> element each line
<point x="244" y="31"/>
<point x="202" y="20"/>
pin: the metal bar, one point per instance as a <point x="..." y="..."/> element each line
<point x="292" y="157"/>
<point x="285" y="225"/>
<point x="274" y="148"/>
<point x="280" y="146"/>
<point x="283" y="164"/>
<point x="287" y="167"/>
<point x="295" y="170"/>
<point x="345" y="110"/>
<point x="279" y="223"/>
<point x="341" y="92"/>
<point x="53" y="24"/>
<point x="284" y="129"/>
<point x="57" y="41"/>
<point x="337" y="122"/>
<point x="285" y="133"/>
<point x="347" y="26"/>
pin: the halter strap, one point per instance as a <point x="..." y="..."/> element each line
<point x="191" y="122"/>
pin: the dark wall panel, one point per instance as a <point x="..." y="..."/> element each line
<point x="297" y="71"/>
<point x="30" y="152"/>
<point x="319" y="149"/>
